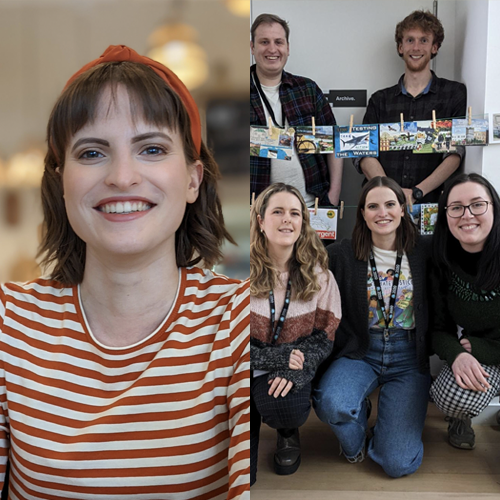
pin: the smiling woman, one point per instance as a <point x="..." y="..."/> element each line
<point x="125" y="371"/>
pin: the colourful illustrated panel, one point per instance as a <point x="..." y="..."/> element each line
<point x="495" y="128"/>
<point x="392" y="138"/>
<point x="475" y="134"/>
<point x="428" y="217"/>
<point x="325" y="222"/>
<point x="434" y="138"/>
<point x="318" y="143"/>
<point x="278" y="145"/>
<point x="362" y="141"/>
<point x="403" y="310"/>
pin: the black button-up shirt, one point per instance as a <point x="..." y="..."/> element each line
<point x="446" y="97"/>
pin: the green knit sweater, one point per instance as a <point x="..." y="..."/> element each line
<point x="457" y="302"/>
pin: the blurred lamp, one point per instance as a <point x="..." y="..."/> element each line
<point x="239" y="7"/>
<point x="25" y="169"/>
<point x="174" y="45"/>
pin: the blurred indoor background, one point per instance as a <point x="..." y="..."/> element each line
<point x="43" y="42"/>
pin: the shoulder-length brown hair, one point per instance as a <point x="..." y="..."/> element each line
<point x="202" y="231"/>
<point x="406" y="233"/>
<point x="308" y="254"/>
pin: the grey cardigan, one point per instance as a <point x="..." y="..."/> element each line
<point x="352" y="338"/>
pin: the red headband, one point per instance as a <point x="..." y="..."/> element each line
<point x="118" y="53"/>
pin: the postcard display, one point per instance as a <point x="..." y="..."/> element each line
<point x="353" y="141"/>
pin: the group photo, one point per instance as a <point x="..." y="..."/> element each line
<point x="375" y="348"/>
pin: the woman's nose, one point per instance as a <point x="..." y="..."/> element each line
<point x="123" y="173"/>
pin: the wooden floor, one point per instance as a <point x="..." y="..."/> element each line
<point x="446" y="473"/>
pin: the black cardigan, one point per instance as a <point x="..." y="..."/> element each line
<point x="352" y="339"/>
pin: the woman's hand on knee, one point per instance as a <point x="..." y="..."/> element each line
<point x="469" y="373"/>
<point x="279" y="386"/>
<point x="296" y="360"/>
<point x="466" y="344"/>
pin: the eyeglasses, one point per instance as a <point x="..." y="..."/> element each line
<point x="476" y="208"/>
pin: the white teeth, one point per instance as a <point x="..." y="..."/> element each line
<point x="125" y="207"/>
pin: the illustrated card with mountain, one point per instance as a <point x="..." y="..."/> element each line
<point x="392" y="138"/>
<point x="473" y="134"/>
<point x="318" y="143"/>
<point x="278" y="145"/>
<point x="362" y="140"/>
<point x="434" y="137"/>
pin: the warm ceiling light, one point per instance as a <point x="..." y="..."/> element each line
<point x="174" y="45"/>
<point x="239" y="7"/>
<point x="25" y="169"/>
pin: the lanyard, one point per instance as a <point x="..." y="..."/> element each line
<point x="266" y="102"/>
<point x="394" y="292"/>
<point x="279" y="327"/>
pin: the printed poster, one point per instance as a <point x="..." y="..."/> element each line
<point x="428" y="217"/>
<point x="393" y="139"/>
<point x="277" y="146"/>
<point x="432" y="139"/>
<point x="318" y="143"/>
<point x="495" y="128"/>
<point x="361" y="142"/>
<point x="325" y="222"/>
<point x="475" y="134"/>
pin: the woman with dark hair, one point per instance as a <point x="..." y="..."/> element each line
<point x="465" y="293"/>
<point x="294" y="311"/>
<point x="124" y="373"/>
<point x="375" y="346"/>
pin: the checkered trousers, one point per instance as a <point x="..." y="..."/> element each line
<point x="456" y="402"/>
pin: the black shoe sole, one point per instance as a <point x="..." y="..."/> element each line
<point x="282" y="470"/>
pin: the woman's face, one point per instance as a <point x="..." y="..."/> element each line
<point x="382" y="212"/>
<point x="470" y="230"/>
<point x="282" y="222"/>
<point x="126" y="184"/>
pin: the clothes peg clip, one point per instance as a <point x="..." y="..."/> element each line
<point x="470" y="115"/>
<point x="351" y="121"/>
<point x="341" y="215"/>
<point x="314" y="126"/>
<point x="316" y="201"/>
<point x="434" y="119"/>
<point x="270" y="124"/>
<point x="402" y="123"/>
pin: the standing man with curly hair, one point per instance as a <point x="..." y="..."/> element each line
<point x="419" y="91"/>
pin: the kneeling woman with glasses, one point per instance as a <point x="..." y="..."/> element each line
<point x="465" y="285"/>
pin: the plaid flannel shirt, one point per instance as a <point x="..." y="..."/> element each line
<point x="301" y="99"/>
<point x="446" y="97"/>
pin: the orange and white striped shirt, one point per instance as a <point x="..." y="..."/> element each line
<point x="166" y="418"/>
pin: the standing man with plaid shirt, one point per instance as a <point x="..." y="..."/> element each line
<point x="418" y="92"/>
<point x="289" y="100"/>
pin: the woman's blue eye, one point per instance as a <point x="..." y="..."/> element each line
<point x="153" y="150"/>
<point x="91" y="155"/>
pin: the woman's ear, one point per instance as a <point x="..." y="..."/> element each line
<point x="196" y="177"/>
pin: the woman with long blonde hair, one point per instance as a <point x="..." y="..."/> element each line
<point x="295" y="310"/>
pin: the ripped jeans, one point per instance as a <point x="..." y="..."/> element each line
<point x="339" y="401"/>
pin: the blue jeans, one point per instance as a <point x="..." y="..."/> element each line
<point x="391" y="363"/>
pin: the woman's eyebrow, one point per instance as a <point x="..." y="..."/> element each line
<point x="151" y="135"/>
<point x="87" y="140"/>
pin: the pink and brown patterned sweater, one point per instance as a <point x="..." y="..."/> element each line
<point x="309" y="326"/>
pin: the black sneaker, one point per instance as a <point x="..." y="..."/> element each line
<point x="460" y="433"/>
<point x="287" y="456"/>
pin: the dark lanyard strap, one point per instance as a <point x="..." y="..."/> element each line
<point x="266" y="102"/>
<point x="394" y="292"/>
<point x="281" y="321"/>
